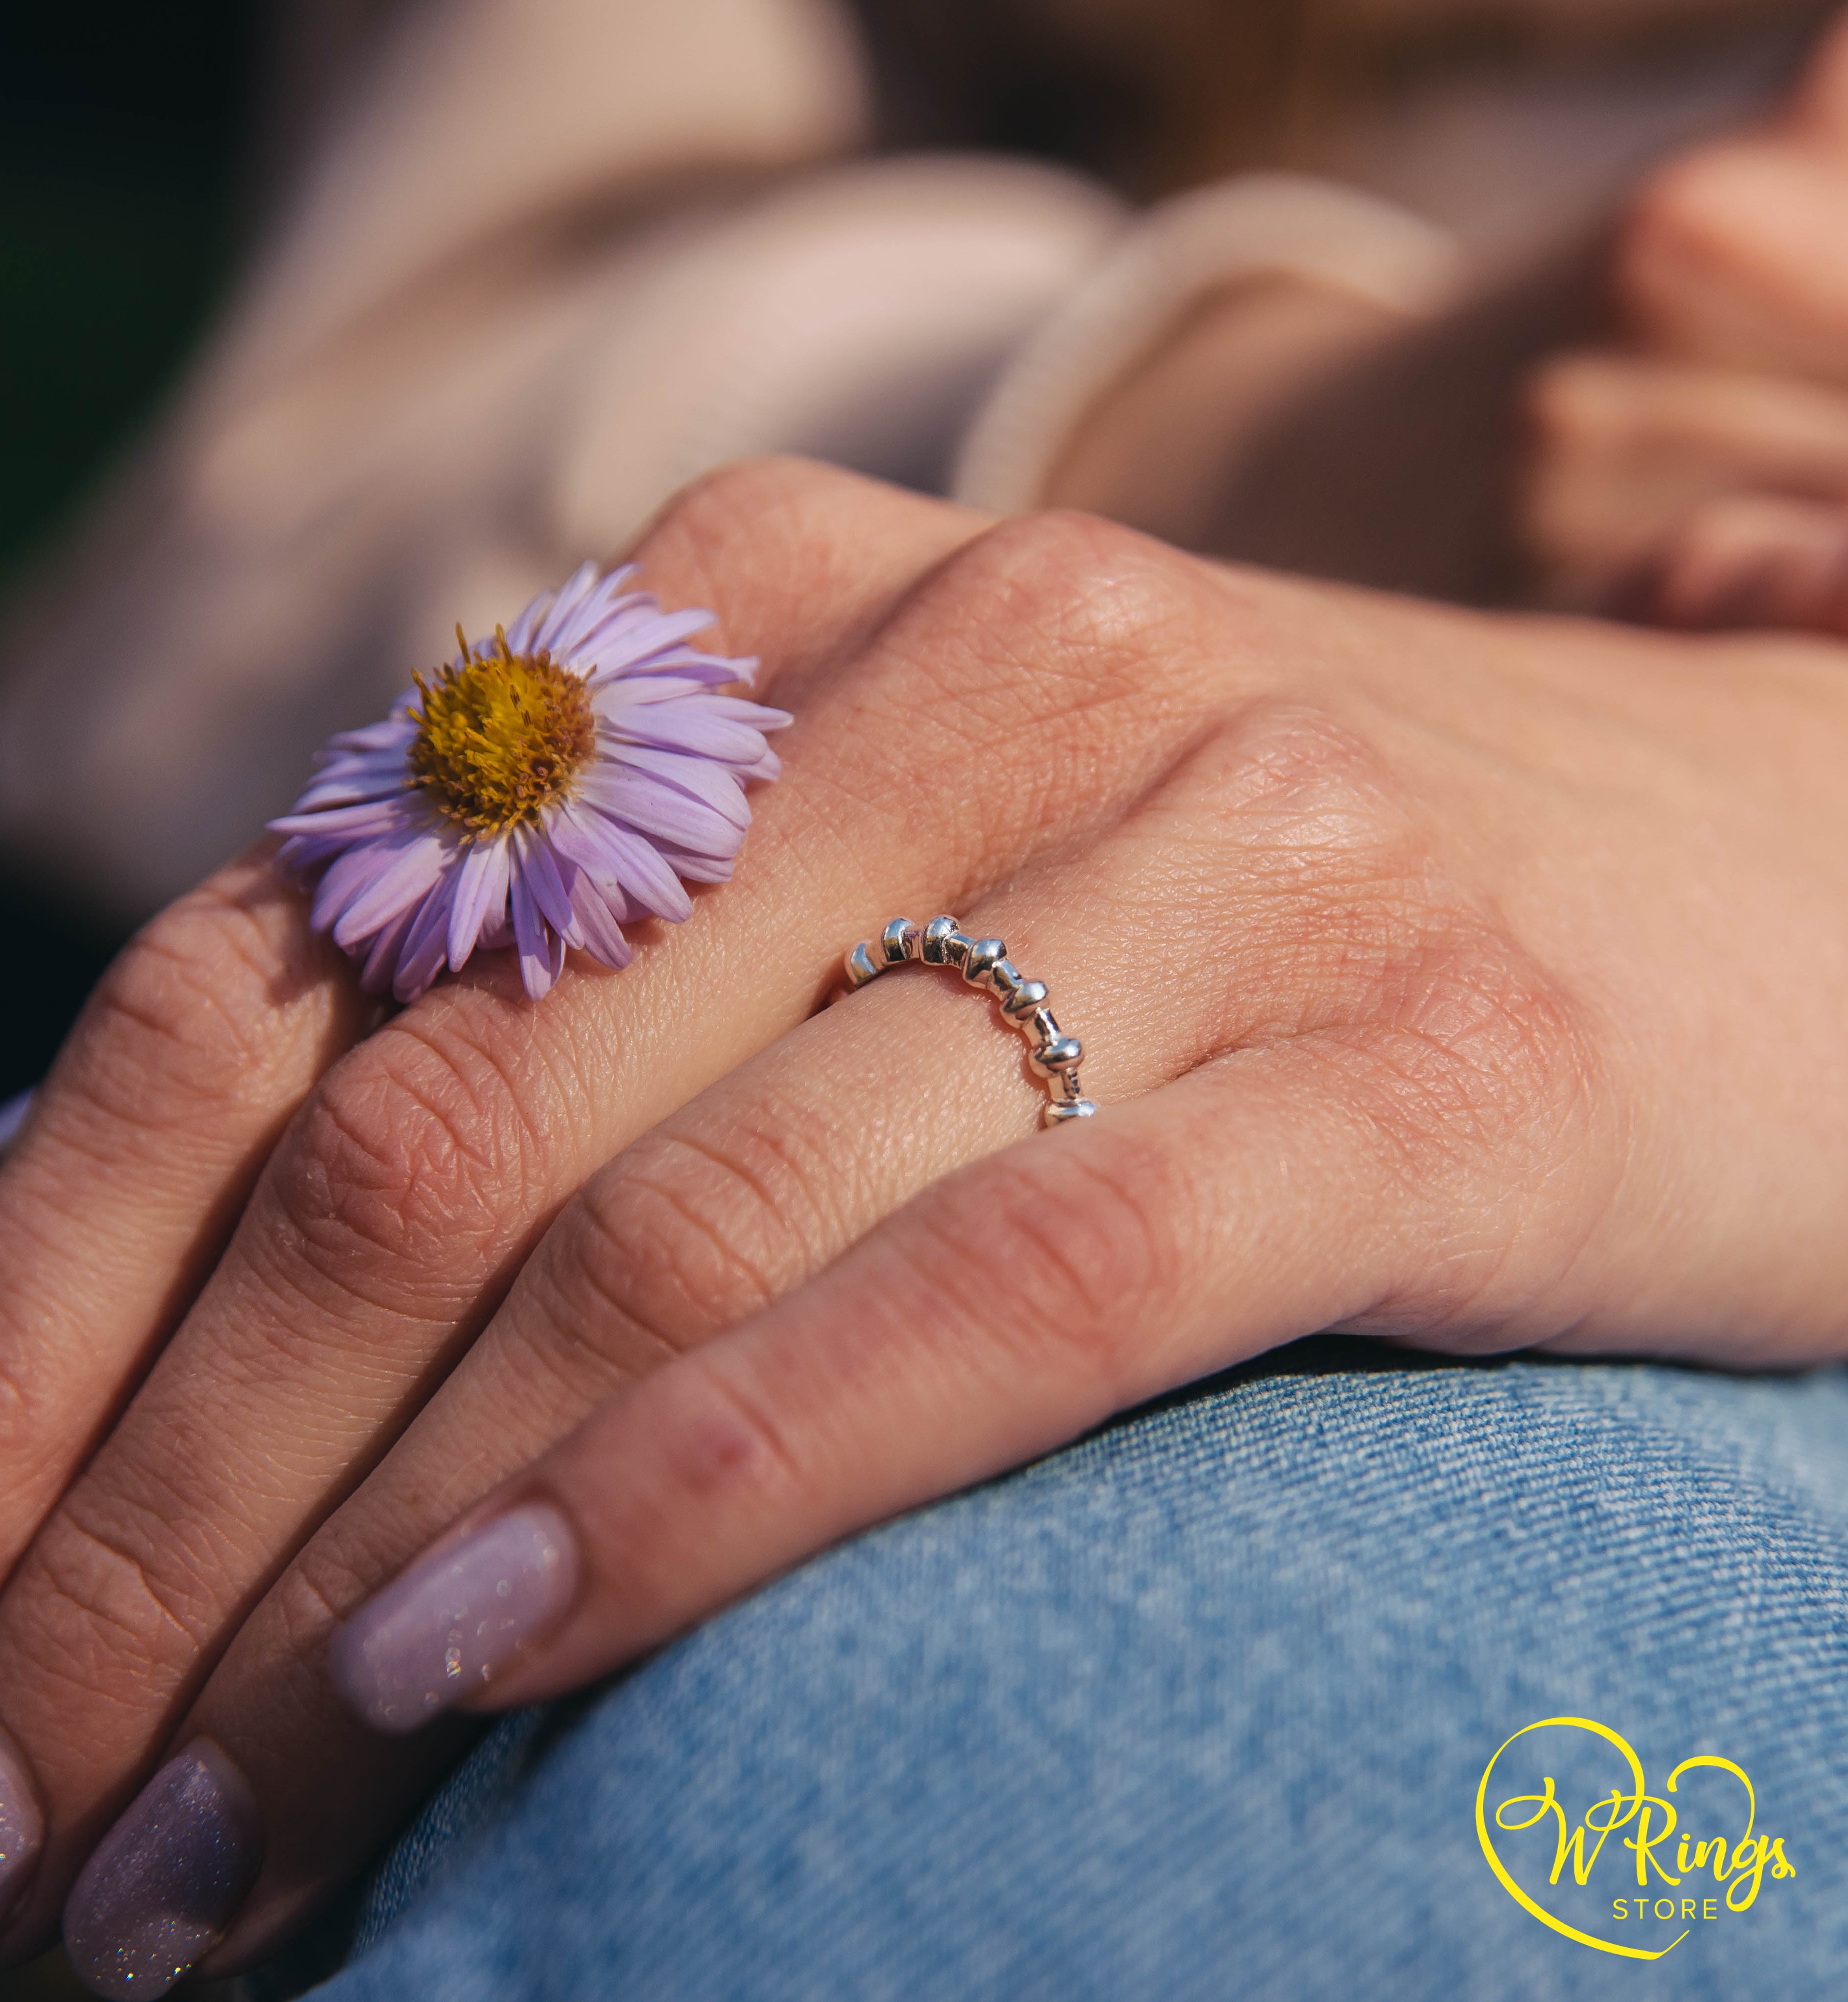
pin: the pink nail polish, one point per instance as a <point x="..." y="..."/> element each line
<point x="445" y="1627"/>
<point x="21" y="1825"/>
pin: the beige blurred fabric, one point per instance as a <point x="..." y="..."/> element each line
<point x="536" y="263"/>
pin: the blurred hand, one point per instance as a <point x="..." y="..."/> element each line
<point x="1698" y="475"/>
<point x="1464" y="979"/>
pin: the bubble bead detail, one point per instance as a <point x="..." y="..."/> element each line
<point x="983" y="964"/>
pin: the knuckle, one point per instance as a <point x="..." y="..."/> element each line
<point x="1057" y="1256"/>
<point x="321" y="1589"/>
<point x="186" y="1011"/>
<point x="1028" y="650"/>
<point x="94" y="1614"/>
<point x="1449" y="1049"/>
<point x="1352" y="927"/>
<point x="1302" y="788"/>
<point x="685" y="1234"/>
<point x="1484" y="1053"/>
<point x="1082" y="595"/>
<point x="414" y="1149"/>
<point x="727" y="522"/>
<point x="733" y="497"/>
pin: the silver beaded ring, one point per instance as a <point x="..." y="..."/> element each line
<point x="984" y="962"/>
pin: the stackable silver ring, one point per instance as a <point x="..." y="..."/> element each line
<point x="984" y="962"/>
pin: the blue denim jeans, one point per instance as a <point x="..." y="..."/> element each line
<point x="1201" y="1707"/>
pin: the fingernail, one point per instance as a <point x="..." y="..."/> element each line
<point x="450" y="1623"/>
<point x="166" y="1880"/>
<point x="22" y="1826"/>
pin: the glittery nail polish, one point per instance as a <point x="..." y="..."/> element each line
<point x="22" y="1826"/>
<point x="167" y="1879"/>
<point x="444" y="1628"/>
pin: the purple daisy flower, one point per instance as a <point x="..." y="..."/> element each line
<point x="545" y="788"/>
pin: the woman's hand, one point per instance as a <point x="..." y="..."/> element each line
<point x="1697" y="475"/>
<point x="239" y="1252"/>
<point x="1471" y="980"/>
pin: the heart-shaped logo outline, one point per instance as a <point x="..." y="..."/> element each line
<point x="1637" y="1794"/>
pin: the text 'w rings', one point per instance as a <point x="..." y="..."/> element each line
<point x="984" y="962"/>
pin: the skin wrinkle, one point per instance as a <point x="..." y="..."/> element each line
<point x="19" y="1418"/>
<point x="252" y="1490"/>
<point x="320" y="1590"/>
<point x="454" y="1048"/>
<point x="275" y="1319"/>
<point x="166" y="956"/>
<point x="96" y="1590"/>
<point x="473" y="1141"/>
<point x="1374" y="919"/>
<point x="135" y="1368"/>
<point x="804" y="1156"/>
<point x="364" y="1175"/>
<point x="1123" y="1254"/>
<point x="697" y="1227"/>
<point x="551" y="1365"/>
<point x="1415" y="1142"/>
<point x="237" y="937"/>
<point x="306" y="968"/>
<point x="576" y="1072"/>
<point x="614" y="1292"/>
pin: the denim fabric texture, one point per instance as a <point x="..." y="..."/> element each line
<point x="1196" y="1707"/>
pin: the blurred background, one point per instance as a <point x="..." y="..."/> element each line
<point x="857" y="175"/>
<point x="122" y="127"/>
<point x="122" y="130"/>
<point x="882" y="308"/>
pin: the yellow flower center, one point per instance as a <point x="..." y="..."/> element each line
<point x="501" y="736"/>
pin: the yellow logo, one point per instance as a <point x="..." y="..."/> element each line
<point x="1683" y="1877"/>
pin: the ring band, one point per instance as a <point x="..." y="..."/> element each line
<point x="984" y="962"/>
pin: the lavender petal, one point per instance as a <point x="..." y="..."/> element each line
<point x="602" y="936"/>
<point x="571" y="595"/>
<point x="709" y="783"/>
<point x="675" y="725"/>
<point x="552" y="897"/>
<point x="610" y="853"/>
<point x="694" y="868"/>
<point x="350" y="823"/>
<point x="532" y="938"/>
<point x="480" y="891"/>
<point x="395" y="733"/>
<point x="426" y="944"/>
<point x="381" y="956"/>
<point x="662" y="814"/>
<point x="524" y="629"/>
<point x="408" y="874"/>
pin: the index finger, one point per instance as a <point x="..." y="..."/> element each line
<point x="201" y="1040"/>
